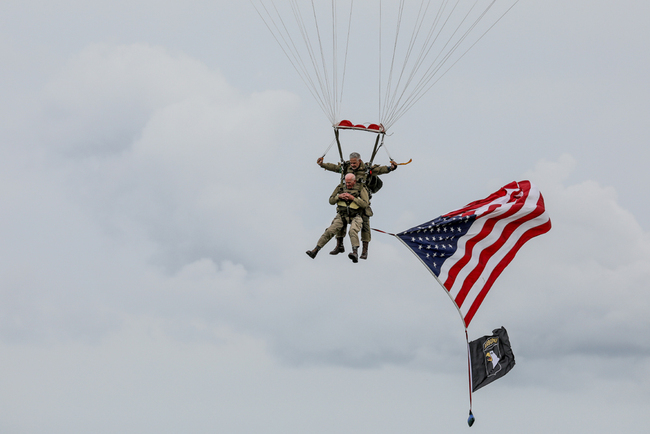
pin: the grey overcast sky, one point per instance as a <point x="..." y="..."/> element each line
<point x="158" y="190"/>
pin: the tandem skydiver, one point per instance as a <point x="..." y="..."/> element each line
<point x="367" y="177"/>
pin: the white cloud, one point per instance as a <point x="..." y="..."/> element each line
<point x="197" y="191"/>
<point x="168" y="145"/>
<point x="580" y="289"/>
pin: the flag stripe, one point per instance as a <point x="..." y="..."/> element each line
<point x="493" y="198"/>
<point x="488" y="266"/>
<point x="488" y="232"/>
<point x="475" y="241"/>
<point x="493" y="270"/>
<point x="499" y="239"/>
<point x="531" y="233"/>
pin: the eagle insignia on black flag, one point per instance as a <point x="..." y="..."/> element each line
<point x="491" y="358"/>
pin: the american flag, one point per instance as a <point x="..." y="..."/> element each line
<point x="467" y="249"/>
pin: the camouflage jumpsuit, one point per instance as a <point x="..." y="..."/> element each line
<point x="360" y="174"/>
<point x="347" y="212"/>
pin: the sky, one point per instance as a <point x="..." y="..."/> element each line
<point x="158" y="190"/>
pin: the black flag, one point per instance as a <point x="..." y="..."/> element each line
<point x="491" y="358"/>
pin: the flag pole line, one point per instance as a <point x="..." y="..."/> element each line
<point x="435" y="277"/>
<point x="470" y="420"/>
<point x="469" y="363"/>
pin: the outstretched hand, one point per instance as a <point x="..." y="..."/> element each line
<point x="319" y="161"/>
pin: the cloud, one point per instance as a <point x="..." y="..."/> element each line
<point x="579" y="290"/>
<point x="161" y="142"/>
<point x="562" y="297"/>
<point x="193" y="221"/>
<point x="144" y="158"/>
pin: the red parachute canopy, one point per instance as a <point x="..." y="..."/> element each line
<point x="347" y="125"/>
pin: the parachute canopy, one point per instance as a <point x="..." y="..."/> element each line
<point x="373" y="128"/>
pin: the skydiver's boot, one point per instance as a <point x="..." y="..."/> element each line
<point x="364" y="252"/>
<point x="312" y="253"/>
<point x="339" y="246"/>
<point x="354" y="255"/>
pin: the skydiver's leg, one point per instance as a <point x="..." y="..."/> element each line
<point x="336" y="225"/>
<point x="365" y="231"/>
<point x="365" y="236"/>
<point x="341" y="232"/>
<point x="339" y="248"/>
<point x="355" y="226"/>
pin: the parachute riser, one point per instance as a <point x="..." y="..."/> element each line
<point x="376" y="148"/>
<point x="338" y="143"/>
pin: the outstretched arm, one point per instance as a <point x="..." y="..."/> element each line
<point x="329" y="166"/>
<point x="381" y="170"/>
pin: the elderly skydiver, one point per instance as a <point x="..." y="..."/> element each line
<point x="363" y="175"/>
<point x="351" y="200"/>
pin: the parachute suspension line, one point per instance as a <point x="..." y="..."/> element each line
<point x="399" y="105"/>
<point x="328" y="148"/>
<point x="390" y="100"/>
<point x="379" y="81"/>
<point x="290" y="50"/>
<point x="463" y="54"/>
<point x="434" y="45"/>
<point x="432" y="72"/>
<point x="386" y="149"/>
<point x="421" y="17"/>
<point x="324" y="79"/>
<point x="332" y="92"/>
<point x="392" y="63"/>
<point x="335" y="62"/>
<point x="325" y="82"/>
<point x="427" y="46"/>
<point x="436" y="65"/>
<point x="345" y="62"/>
